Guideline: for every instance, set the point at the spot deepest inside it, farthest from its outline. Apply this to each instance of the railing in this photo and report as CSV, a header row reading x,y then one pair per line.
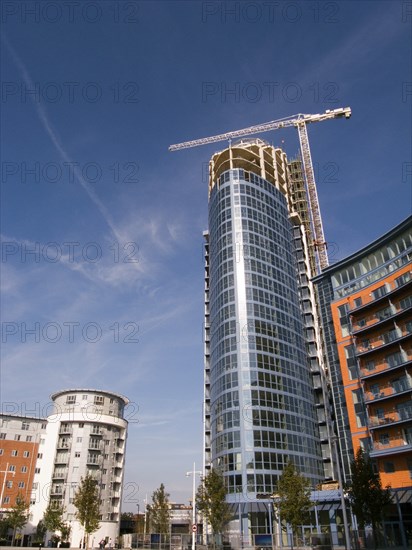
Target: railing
x,y
394,416
383,366
391,443
387,391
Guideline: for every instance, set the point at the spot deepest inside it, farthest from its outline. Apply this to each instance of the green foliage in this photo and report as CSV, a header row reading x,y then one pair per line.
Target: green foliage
x,y
211,501
18,514
41,530
159,514
53,517
86,500
4,528
65,530
293,491
367,497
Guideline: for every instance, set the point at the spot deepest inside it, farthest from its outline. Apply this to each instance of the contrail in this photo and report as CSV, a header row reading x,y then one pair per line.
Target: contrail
x,y
41,112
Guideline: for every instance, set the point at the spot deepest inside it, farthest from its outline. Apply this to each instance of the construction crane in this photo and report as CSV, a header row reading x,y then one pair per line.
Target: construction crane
x,y
299,121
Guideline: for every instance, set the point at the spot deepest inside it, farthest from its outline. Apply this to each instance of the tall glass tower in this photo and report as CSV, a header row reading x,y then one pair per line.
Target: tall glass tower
x,y
260,403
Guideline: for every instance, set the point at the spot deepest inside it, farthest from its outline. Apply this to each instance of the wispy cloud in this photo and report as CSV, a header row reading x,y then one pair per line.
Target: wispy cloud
x,y
51,132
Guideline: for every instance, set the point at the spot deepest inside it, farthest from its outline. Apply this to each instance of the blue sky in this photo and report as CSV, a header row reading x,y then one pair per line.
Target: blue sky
x,y
85,161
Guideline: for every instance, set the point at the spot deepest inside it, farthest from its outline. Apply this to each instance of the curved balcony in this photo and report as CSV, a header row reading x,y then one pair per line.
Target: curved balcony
x,y
386,392
389,293
393,445
391,417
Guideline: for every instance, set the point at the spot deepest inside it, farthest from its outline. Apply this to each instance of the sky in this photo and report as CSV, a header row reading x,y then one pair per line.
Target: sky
x,y
102,248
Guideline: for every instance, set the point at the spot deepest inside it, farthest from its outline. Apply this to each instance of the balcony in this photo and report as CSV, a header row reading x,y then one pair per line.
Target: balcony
x,y
385,294
386,392
95,446
60,474
65,429
64,444
391,417
393,445
94,460
384,340
383,368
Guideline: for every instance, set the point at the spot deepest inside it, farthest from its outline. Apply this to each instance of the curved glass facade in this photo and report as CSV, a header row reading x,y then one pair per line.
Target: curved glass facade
x,y
262,409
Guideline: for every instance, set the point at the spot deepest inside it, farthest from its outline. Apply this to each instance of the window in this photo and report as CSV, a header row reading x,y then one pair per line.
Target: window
x,y
21,484
43,426
98,400
409,465
81,424
359,408
39,455
12,468
384,439
17,437
394,359
1,451
344,319
6,500
403,279
379,292
25,425
70,399
388,467
37,470
370,365
79,439
380,413
23,469
9,485
84,397
29,438
26,454
358,302
351,361
14,453
76,455
2,435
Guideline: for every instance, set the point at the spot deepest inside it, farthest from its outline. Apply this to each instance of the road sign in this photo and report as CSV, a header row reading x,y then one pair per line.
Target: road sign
x,y
194,528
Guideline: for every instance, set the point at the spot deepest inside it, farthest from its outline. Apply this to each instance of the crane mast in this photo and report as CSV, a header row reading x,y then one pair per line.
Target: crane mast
x,y
299,121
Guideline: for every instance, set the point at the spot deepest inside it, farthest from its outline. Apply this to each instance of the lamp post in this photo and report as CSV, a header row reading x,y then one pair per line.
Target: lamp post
x,y
342,496
194,525
145,516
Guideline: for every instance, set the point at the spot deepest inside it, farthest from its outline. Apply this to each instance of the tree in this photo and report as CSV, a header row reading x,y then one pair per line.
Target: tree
x,y
65,530
293,492
86,500
159,512
18,515
53,517
366,495
4,529
211,501
41,531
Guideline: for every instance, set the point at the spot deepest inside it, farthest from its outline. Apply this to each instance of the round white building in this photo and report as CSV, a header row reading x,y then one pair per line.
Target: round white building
x,y
86,435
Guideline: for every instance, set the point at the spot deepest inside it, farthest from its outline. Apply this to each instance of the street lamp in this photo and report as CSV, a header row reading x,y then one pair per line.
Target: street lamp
x,y
145,516
194,525
342,496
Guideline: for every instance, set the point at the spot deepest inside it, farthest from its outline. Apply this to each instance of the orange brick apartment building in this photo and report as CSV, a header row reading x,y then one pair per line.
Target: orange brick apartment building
x,y
20,442
366,308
